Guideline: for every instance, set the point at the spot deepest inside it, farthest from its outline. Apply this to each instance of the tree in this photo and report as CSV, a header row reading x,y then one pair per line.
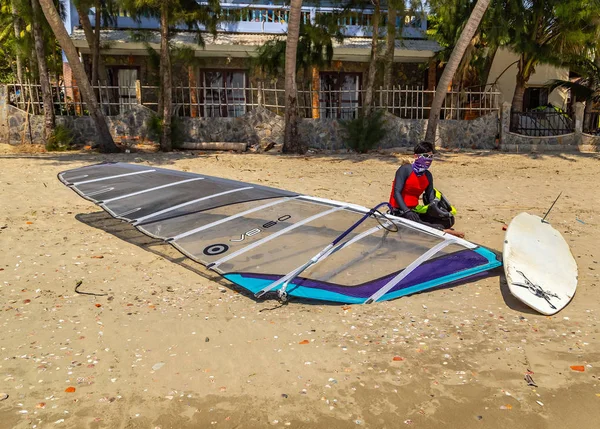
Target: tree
x,y
546,32
452,65
446,23
92,36
291,137
17,31
106,141
587,86
172,13
372,71
314,51
38,37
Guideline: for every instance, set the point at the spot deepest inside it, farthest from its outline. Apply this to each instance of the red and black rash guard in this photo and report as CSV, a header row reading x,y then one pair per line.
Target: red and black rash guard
x,y
408,187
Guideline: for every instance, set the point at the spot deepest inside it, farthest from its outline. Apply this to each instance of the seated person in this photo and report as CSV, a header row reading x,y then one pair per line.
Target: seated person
x,y
414,180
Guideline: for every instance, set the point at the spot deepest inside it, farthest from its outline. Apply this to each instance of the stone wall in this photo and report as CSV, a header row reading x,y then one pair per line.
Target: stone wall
x,y
257,127
128,125
479,133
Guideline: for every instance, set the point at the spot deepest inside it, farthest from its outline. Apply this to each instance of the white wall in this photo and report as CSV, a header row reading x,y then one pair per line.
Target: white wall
x,y
543,73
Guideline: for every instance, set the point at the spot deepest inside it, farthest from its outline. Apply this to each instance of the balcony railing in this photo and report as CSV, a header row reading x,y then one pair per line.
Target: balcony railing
x,y
273,20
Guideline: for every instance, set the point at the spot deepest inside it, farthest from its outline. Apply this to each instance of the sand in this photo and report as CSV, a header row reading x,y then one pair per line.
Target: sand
x,y
171,345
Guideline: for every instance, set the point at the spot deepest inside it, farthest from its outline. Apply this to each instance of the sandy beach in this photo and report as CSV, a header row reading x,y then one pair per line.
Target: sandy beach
x,y
168,344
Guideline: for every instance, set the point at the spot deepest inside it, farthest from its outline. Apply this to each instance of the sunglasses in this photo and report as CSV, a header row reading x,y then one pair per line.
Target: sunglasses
x,y
426,155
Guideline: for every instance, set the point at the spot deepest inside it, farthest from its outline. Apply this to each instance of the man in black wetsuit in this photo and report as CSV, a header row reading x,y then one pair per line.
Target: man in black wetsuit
x,y
414,180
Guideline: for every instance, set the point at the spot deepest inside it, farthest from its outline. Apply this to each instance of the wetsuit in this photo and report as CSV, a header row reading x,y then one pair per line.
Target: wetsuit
x,y
406,190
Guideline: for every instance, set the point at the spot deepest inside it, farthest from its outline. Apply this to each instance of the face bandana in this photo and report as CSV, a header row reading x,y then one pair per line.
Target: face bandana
x,y
421,164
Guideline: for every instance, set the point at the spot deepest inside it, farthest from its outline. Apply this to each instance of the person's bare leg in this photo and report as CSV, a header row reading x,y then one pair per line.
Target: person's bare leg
x,y
458,234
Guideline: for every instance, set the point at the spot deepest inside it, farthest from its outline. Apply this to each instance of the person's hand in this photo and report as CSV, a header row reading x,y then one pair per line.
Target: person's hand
x,y
458,234
411,215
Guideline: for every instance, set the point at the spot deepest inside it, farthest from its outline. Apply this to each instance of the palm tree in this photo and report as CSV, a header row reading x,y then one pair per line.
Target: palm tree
x,y
291,137
372,71
92,36
446,22
170,13
17,31
38,37
54,20
450,69
587,87
546,32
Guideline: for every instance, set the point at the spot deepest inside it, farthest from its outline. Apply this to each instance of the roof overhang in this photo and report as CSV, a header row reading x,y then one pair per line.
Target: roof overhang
x,y
237,45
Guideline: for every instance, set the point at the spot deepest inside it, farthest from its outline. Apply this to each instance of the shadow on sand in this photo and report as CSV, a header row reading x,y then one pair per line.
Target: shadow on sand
x,y
126,232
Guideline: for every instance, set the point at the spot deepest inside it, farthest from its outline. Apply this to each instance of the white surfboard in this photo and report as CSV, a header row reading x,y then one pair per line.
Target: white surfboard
x,y
540,269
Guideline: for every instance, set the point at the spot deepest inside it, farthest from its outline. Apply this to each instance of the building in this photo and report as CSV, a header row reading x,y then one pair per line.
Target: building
x,y
503,74
218,75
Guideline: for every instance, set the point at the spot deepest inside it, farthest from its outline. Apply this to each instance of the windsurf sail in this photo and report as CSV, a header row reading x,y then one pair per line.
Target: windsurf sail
x,y
265,239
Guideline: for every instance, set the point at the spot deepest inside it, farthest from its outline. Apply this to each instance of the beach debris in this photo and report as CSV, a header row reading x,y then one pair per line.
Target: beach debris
x,y
398,358
284,395
304,342
479,417
3,396
578,368
579,220
540,403
506,407
206,340
530,381
79,283
408,422
70,389
157,366
41,405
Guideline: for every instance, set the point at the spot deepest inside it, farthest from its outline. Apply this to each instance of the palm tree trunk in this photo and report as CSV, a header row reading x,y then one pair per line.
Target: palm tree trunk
x,y
92,37
291,138
524,72
17,30
38,37
390,45
370,89
450,69
96,45
106,141
165,62
88,31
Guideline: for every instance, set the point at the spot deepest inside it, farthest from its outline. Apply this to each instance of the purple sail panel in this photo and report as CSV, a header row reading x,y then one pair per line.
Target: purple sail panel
x,y
430,270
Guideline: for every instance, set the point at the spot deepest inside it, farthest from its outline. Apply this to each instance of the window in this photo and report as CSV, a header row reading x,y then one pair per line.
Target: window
x,y
535,97
223,94
339,95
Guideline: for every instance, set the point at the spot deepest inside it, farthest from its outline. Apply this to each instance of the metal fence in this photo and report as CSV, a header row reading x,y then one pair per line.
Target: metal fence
x,y
591,123
541,123
408,102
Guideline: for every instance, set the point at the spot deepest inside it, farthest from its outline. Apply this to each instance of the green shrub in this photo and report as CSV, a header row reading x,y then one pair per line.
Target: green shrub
x,y
177,133
364,133
154,125
60,140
